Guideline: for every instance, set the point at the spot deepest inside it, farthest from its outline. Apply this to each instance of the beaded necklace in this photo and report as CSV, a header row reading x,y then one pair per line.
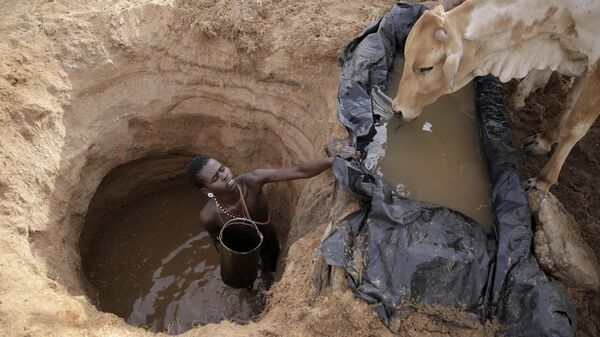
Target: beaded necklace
x,y
229,214
226,212
244,209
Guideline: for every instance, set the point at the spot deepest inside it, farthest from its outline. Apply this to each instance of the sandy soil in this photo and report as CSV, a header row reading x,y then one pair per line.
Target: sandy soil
x,y
86,86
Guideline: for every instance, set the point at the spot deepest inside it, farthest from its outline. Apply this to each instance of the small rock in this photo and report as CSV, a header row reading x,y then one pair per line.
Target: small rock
x,y
558,244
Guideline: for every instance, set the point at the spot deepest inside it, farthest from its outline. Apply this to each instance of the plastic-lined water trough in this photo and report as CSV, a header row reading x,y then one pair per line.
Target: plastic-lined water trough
x,y
417,252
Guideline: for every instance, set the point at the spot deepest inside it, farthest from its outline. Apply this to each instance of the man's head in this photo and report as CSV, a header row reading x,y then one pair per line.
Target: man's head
x,y
432,54
210,175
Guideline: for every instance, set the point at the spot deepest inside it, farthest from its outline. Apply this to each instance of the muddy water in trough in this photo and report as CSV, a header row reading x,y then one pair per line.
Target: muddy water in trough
x,y
437,157
154,265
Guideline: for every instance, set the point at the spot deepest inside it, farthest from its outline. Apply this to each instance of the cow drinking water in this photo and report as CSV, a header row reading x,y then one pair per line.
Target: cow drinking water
x,y
446,50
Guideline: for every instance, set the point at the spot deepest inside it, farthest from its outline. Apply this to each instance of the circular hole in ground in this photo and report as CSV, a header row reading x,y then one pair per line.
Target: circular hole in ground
x,y
148,259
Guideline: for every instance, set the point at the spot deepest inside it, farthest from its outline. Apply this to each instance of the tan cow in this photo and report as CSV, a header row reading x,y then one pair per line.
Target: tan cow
x,y
446,50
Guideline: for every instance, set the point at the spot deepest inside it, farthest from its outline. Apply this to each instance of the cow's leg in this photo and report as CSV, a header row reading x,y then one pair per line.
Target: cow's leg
x,y
541,143
536,79
575,127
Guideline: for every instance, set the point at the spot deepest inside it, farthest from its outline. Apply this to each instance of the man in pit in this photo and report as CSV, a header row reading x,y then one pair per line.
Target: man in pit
x,y
242,196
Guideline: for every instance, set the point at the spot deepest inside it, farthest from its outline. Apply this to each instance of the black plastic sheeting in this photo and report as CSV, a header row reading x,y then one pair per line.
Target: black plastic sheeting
x,y
397,250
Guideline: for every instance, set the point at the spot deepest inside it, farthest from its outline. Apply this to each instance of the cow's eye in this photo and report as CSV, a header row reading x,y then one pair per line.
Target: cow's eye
x,y
425,70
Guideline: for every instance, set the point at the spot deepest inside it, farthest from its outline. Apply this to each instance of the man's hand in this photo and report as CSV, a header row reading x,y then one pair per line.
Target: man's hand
x,y
349,152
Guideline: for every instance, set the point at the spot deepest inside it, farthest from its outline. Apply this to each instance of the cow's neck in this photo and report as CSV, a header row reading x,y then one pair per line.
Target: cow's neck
x,y
508,39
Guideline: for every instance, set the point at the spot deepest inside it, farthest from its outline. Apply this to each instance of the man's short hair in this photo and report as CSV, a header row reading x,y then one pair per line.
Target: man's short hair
x,y
194,167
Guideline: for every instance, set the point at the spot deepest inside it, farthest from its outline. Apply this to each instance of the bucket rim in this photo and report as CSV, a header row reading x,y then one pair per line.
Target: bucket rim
x,y
246,222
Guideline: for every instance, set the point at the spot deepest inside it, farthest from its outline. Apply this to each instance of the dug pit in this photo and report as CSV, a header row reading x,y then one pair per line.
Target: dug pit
x,y
100,116
149,260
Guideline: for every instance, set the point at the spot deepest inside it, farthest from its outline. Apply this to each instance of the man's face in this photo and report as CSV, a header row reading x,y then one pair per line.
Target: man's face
x,y
216,177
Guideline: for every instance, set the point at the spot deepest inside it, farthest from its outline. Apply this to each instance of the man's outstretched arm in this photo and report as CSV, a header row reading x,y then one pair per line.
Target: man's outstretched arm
x,y
302,170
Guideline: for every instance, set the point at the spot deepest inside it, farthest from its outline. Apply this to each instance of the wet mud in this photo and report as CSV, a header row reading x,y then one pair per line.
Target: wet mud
x,y
154,265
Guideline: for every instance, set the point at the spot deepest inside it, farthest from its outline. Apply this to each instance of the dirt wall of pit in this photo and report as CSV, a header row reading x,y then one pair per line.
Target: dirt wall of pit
x,y
87,86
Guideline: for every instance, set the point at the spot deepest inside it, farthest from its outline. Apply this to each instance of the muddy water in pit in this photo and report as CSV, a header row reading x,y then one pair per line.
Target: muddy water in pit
x,y
437,157
154,265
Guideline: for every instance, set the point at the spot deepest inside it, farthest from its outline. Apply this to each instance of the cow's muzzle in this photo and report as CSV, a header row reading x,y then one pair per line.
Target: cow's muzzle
x,y
397,113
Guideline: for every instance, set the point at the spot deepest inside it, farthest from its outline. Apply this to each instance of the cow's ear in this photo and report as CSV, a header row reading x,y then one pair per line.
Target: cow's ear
x,y
451,68
439,10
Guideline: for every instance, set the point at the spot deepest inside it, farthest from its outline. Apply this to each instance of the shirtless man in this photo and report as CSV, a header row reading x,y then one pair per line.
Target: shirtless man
x,y
242,196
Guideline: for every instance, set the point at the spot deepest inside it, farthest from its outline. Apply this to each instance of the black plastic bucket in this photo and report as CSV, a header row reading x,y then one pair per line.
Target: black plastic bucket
x,y
240,251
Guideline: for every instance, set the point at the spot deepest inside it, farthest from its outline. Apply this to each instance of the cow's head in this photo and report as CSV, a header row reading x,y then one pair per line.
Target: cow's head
x,y
432,55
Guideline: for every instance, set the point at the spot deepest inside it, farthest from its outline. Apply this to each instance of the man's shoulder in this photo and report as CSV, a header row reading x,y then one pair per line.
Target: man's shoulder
x,y
209,219
208,214
247,177
249,183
